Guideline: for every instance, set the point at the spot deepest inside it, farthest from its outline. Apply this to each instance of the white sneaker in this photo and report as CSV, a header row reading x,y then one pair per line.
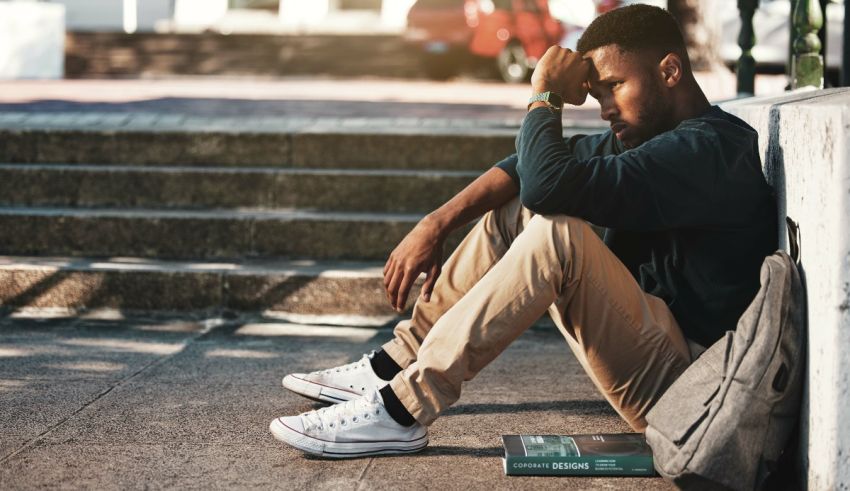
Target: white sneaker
x,y
338,384
355,428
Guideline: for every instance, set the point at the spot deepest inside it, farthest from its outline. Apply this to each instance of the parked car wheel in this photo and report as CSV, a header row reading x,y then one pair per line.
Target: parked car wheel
x,y
512,63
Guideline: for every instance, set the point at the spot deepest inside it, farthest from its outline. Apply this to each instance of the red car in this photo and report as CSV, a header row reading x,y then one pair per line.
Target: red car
x,y
513,33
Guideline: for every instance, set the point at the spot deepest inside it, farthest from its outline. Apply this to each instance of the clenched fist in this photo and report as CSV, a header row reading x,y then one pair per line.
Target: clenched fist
x,y
564,72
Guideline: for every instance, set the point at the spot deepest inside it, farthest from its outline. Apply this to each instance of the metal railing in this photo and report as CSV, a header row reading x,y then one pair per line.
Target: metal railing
x,y
806,64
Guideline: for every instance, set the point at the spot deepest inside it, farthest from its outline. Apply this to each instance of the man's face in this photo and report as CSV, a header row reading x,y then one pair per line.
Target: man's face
x,y
630,92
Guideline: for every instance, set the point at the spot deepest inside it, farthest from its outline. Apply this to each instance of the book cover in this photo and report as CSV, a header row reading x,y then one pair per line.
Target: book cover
x,y
625,454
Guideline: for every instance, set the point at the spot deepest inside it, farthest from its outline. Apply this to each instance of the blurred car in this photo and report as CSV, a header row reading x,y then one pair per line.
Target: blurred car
x,y
512,33
772,22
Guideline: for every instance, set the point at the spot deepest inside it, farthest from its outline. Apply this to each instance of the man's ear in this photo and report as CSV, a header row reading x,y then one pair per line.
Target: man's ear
x,y
671,69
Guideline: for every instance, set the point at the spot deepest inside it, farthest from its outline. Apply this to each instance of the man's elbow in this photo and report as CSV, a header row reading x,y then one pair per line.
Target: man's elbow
x,y
537,202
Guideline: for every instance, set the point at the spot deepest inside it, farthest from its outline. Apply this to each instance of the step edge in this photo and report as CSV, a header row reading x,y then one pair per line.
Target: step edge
x,y
282,267
208,214
229,170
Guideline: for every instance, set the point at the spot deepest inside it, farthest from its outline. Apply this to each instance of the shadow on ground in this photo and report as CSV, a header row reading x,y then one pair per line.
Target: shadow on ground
x,y
186,402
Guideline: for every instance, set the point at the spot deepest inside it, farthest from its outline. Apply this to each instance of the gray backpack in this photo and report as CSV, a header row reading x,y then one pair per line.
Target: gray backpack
x,y
726,420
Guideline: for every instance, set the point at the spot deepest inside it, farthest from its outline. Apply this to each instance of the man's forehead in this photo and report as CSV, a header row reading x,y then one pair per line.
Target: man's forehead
x,y
592,56
604,55
608,61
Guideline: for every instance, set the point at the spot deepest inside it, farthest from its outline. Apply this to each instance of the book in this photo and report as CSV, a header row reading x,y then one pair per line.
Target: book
x,y
625,454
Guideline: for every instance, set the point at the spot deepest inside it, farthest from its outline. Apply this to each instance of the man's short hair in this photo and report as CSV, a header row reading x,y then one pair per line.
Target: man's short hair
x,y
637,27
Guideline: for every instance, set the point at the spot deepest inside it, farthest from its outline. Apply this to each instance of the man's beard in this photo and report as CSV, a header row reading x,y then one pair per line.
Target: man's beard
x,y
654,118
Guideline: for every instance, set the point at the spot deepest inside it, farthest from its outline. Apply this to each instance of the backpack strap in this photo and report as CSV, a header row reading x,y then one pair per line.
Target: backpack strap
x,y
793,239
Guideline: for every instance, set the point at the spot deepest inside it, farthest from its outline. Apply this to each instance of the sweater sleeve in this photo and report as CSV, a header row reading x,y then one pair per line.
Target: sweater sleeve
x,y
592,144
666,182
508,164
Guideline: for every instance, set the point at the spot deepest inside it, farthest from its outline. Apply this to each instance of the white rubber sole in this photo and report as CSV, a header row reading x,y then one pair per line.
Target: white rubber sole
x,y
318,392
335,450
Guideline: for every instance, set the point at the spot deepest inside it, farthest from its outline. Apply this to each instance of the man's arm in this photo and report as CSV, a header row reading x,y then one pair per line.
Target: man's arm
x,y
421,251
668,181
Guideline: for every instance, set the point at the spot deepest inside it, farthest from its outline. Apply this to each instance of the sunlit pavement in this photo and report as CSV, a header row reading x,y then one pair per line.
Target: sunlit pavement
x,y
487,102
185,403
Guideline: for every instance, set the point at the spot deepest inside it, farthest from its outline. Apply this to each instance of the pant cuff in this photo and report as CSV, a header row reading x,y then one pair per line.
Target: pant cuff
x,y
398,354
410,402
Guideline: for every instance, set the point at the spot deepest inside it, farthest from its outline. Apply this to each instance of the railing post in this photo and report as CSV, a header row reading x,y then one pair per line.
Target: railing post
x,y
746,40
845,48
822,35
792,35
807,63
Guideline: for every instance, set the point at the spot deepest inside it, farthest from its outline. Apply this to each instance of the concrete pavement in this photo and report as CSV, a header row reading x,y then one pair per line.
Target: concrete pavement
x,y
185,403
295,102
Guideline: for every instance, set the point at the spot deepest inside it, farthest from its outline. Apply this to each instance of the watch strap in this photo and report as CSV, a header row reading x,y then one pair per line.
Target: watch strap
x,y
553,100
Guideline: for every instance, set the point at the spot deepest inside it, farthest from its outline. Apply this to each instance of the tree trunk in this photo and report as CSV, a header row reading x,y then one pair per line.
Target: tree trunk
x,y
701,28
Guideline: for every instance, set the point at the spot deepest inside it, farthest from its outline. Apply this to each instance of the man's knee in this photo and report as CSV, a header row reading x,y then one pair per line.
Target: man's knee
x,y
567,227
507,220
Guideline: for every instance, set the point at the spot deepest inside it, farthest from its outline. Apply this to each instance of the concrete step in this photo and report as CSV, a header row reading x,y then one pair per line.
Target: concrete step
x,y
320,290
417,148
158,139
97,186
173,234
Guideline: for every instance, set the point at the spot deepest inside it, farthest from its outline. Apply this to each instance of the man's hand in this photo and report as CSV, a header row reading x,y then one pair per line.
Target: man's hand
x,y
421,251
564,72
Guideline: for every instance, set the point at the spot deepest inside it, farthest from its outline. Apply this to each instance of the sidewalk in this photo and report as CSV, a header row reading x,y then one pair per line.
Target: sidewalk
x,y
296,103
170,403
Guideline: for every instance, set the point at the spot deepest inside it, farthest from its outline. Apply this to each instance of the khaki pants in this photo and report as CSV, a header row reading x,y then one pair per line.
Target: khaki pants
x,y
513,267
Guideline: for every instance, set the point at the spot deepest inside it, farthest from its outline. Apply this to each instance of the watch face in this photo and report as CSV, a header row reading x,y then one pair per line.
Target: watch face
x,y
555,99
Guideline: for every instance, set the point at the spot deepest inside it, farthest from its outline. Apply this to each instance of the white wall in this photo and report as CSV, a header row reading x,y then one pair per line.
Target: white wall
x,y
804,140
198,13
32,40
394,13
299,13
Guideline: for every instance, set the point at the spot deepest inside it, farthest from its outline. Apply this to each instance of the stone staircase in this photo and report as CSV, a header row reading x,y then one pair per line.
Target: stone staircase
x,y
219,214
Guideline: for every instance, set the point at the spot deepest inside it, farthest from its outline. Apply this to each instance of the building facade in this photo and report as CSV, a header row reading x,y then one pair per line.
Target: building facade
x,y
237,16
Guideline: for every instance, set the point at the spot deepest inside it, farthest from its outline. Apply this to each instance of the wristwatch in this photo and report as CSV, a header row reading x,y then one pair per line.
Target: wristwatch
x,y
553,100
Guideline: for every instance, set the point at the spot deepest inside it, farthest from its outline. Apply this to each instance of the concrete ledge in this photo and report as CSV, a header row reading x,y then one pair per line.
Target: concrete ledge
x,y
141,147
148,285
99,186
201,234
217,234
424,148
159,139
402,151
805,147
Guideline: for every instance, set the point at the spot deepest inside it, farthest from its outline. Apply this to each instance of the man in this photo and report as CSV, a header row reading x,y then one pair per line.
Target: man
x,y
676,183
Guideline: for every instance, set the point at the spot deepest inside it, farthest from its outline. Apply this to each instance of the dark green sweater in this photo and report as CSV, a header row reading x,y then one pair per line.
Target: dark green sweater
x,y
688,212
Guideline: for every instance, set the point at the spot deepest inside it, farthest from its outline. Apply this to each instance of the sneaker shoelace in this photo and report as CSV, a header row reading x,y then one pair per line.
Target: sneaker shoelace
x,y
348,367
342,414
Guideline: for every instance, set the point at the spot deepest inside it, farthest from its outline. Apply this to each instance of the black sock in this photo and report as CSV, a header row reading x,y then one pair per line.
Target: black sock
x,y
384,366
395,408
